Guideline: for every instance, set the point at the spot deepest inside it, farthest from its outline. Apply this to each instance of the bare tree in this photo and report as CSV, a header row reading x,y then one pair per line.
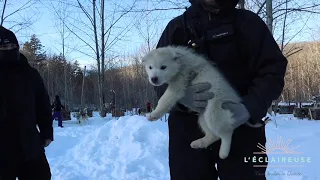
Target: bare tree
x,y
61,14
101,29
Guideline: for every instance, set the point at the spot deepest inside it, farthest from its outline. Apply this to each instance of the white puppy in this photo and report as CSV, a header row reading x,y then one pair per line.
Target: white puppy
x,y
174,65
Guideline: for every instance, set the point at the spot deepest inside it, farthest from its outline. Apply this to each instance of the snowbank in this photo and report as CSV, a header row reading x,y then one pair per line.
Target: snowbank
x,y
131,148
128,148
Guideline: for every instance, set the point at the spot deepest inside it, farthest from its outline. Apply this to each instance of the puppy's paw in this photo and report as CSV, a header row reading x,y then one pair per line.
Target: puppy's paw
x,y
197,144
152,117
223,155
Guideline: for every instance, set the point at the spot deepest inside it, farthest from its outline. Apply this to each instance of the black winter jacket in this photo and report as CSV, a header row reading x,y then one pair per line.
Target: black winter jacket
x,y
249,57
57,105
24,105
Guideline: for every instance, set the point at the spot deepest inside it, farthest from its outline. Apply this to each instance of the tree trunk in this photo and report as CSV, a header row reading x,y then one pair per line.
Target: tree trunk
x,y
3,10
269,15
102,101
269,11
82,88
65,65
97,53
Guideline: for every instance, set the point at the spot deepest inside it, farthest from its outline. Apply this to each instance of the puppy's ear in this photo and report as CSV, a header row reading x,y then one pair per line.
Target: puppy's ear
x,y
176,55
143,60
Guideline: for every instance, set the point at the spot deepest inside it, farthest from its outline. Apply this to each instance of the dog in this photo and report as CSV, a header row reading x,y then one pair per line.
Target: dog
x,y
82,116
177,66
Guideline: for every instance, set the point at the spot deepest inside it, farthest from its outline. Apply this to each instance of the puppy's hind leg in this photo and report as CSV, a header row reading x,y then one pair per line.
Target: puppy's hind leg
x,y
204,142
225,146
225,133
209,137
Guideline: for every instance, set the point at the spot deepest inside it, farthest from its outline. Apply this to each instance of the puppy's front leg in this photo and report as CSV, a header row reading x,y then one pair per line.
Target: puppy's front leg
x,y
170,97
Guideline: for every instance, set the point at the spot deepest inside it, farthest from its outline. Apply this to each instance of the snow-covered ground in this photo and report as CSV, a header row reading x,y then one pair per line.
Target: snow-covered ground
x,y
131,148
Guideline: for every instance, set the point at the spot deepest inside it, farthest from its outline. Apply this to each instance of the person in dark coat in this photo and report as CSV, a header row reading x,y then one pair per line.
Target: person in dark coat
x,y
25,115
241,45
57,108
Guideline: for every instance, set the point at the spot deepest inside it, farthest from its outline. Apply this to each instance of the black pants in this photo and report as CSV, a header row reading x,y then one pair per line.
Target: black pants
x,y
199,164
37,169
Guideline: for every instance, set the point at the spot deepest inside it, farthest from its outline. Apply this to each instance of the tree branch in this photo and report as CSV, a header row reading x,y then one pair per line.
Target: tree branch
x,y
19,9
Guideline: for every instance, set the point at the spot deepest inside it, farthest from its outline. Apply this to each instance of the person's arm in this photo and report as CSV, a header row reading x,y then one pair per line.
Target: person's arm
x,y
43,108
269,65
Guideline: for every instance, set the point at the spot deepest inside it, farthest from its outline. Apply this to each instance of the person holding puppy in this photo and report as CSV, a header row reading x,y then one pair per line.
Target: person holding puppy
x,y
24,105
240,43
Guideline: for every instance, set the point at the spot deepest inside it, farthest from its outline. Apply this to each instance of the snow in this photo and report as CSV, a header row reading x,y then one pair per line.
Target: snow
x,y
304,136
131,148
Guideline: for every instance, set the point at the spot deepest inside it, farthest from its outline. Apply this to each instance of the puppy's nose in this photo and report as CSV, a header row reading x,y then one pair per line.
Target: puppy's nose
x,y
154,79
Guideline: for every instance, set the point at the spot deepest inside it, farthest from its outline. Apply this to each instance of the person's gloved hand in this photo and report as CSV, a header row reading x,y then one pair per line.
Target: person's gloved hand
x,y
197,97
240,113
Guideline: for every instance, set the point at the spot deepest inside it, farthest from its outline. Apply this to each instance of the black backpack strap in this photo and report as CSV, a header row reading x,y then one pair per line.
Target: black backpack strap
x,y
193,38
197,42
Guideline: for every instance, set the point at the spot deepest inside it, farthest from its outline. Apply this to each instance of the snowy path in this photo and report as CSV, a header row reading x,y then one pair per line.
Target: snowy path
x,y
131,148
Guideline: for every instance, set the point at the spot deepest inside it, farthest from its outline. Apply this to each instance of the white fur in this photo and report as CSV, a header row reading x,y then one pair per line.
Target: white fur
x,y
83,120
82,117
180,63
